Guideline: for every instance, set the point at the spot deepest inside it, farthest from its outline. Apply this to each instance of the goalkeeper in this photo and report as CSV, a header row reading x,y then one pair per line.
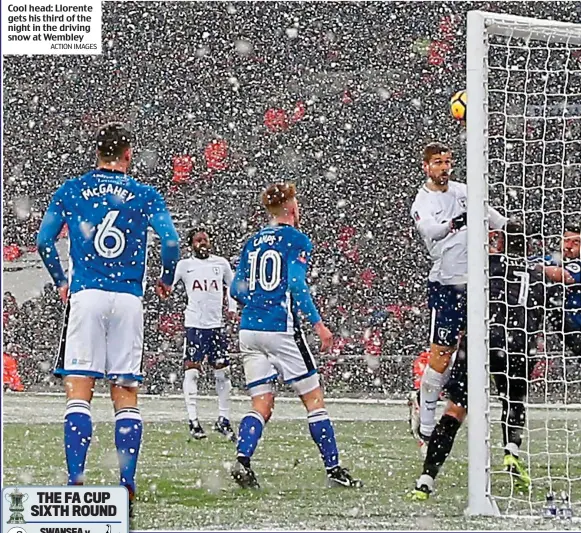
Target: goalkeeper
x,y
517,296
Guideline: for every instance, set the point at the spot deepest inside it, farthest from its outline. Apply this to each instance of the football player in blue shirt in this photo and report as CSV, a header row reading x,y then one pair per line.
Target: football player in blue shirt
x,y
271,285
569,273
108,214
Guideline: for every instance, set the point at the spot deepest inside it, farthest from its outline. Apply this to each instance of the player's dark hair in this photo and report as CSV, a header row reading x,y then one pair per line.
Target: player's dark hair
x,y
433,149
276,195
195,231
112,141
573,226
515,239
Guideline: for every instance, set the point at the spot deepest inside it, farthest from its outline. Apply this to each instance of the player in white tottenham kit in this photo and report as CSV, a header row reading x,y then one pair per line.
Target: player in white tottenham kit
x,y
439,213
206,278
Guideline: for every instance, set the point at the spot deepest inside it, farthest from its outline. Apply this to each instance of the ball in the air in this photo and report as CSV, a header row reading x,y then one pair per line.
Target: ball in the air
x,y
458,105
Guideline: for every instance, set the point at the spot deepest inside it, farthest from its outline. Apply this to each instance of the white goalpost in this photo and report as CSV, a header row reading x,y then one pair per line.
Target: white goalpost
x,y
523,158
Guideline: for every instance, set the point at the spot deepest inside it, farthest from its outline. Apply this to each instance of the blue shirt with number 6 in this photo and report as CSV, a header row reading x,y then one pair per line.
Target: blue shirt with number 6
x,y
108,214
271,280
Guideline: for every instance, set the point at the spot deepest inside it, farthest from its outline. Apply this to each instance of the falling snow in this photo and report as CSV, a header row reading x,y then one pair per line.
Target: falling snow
x,y
227,97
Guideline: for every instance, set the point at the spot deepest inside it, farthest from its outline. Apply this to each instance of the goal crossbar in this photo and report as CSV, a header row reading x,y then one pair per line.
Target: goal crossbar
x,y
551,31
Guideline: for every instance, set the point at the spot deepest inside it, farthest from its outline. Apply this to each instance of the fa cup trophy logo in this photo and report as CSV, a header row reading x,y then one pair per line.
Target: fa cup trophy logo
x,y
16,508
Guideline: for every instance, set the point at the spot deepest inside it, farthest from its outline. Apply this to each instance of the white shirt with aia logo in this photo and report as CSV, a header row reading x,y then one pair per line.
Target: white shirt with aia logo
x,y
432,212
206,281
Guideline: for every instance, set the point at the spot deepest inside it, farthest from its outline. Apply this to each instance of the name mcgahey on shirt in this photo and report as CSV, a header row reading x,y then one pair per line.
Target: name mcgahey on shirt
x,y
108,188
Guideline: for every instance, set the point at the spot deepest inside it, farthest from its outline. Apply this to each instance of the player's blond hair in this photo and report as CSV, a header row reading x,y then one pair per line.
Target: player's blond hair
x,y
277,195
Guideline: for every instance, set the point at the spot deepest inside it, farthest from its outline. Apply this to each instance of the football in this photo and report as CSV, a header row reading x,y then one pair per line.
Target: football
x,y
458,105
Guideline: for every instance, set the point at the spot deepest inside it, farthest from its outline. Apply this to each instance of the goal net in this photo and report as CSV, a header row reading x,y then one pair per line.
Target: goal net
x,y
524,159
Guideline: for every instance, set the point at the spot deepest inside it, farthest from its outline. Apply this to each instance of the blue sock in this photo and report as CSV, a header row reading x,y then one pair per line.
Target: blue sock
x,y
324,436
128,431
249,434
78,431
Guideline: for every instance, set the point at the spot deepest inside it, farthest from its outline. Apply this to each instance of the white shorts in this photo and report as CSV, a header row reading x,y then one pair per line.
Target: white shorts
x,y
266,354
102,336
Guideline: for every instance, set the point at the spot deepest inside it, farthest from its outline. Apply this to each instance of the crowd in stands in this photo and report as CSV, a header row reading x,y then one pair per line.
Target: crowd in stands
x,y
225,98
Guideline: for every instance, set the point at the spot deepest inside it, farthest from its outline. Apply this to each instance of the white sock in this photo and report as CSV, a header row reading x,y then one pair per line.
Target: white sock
x,y
424,479
191,376
223,387
430,389
512,448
